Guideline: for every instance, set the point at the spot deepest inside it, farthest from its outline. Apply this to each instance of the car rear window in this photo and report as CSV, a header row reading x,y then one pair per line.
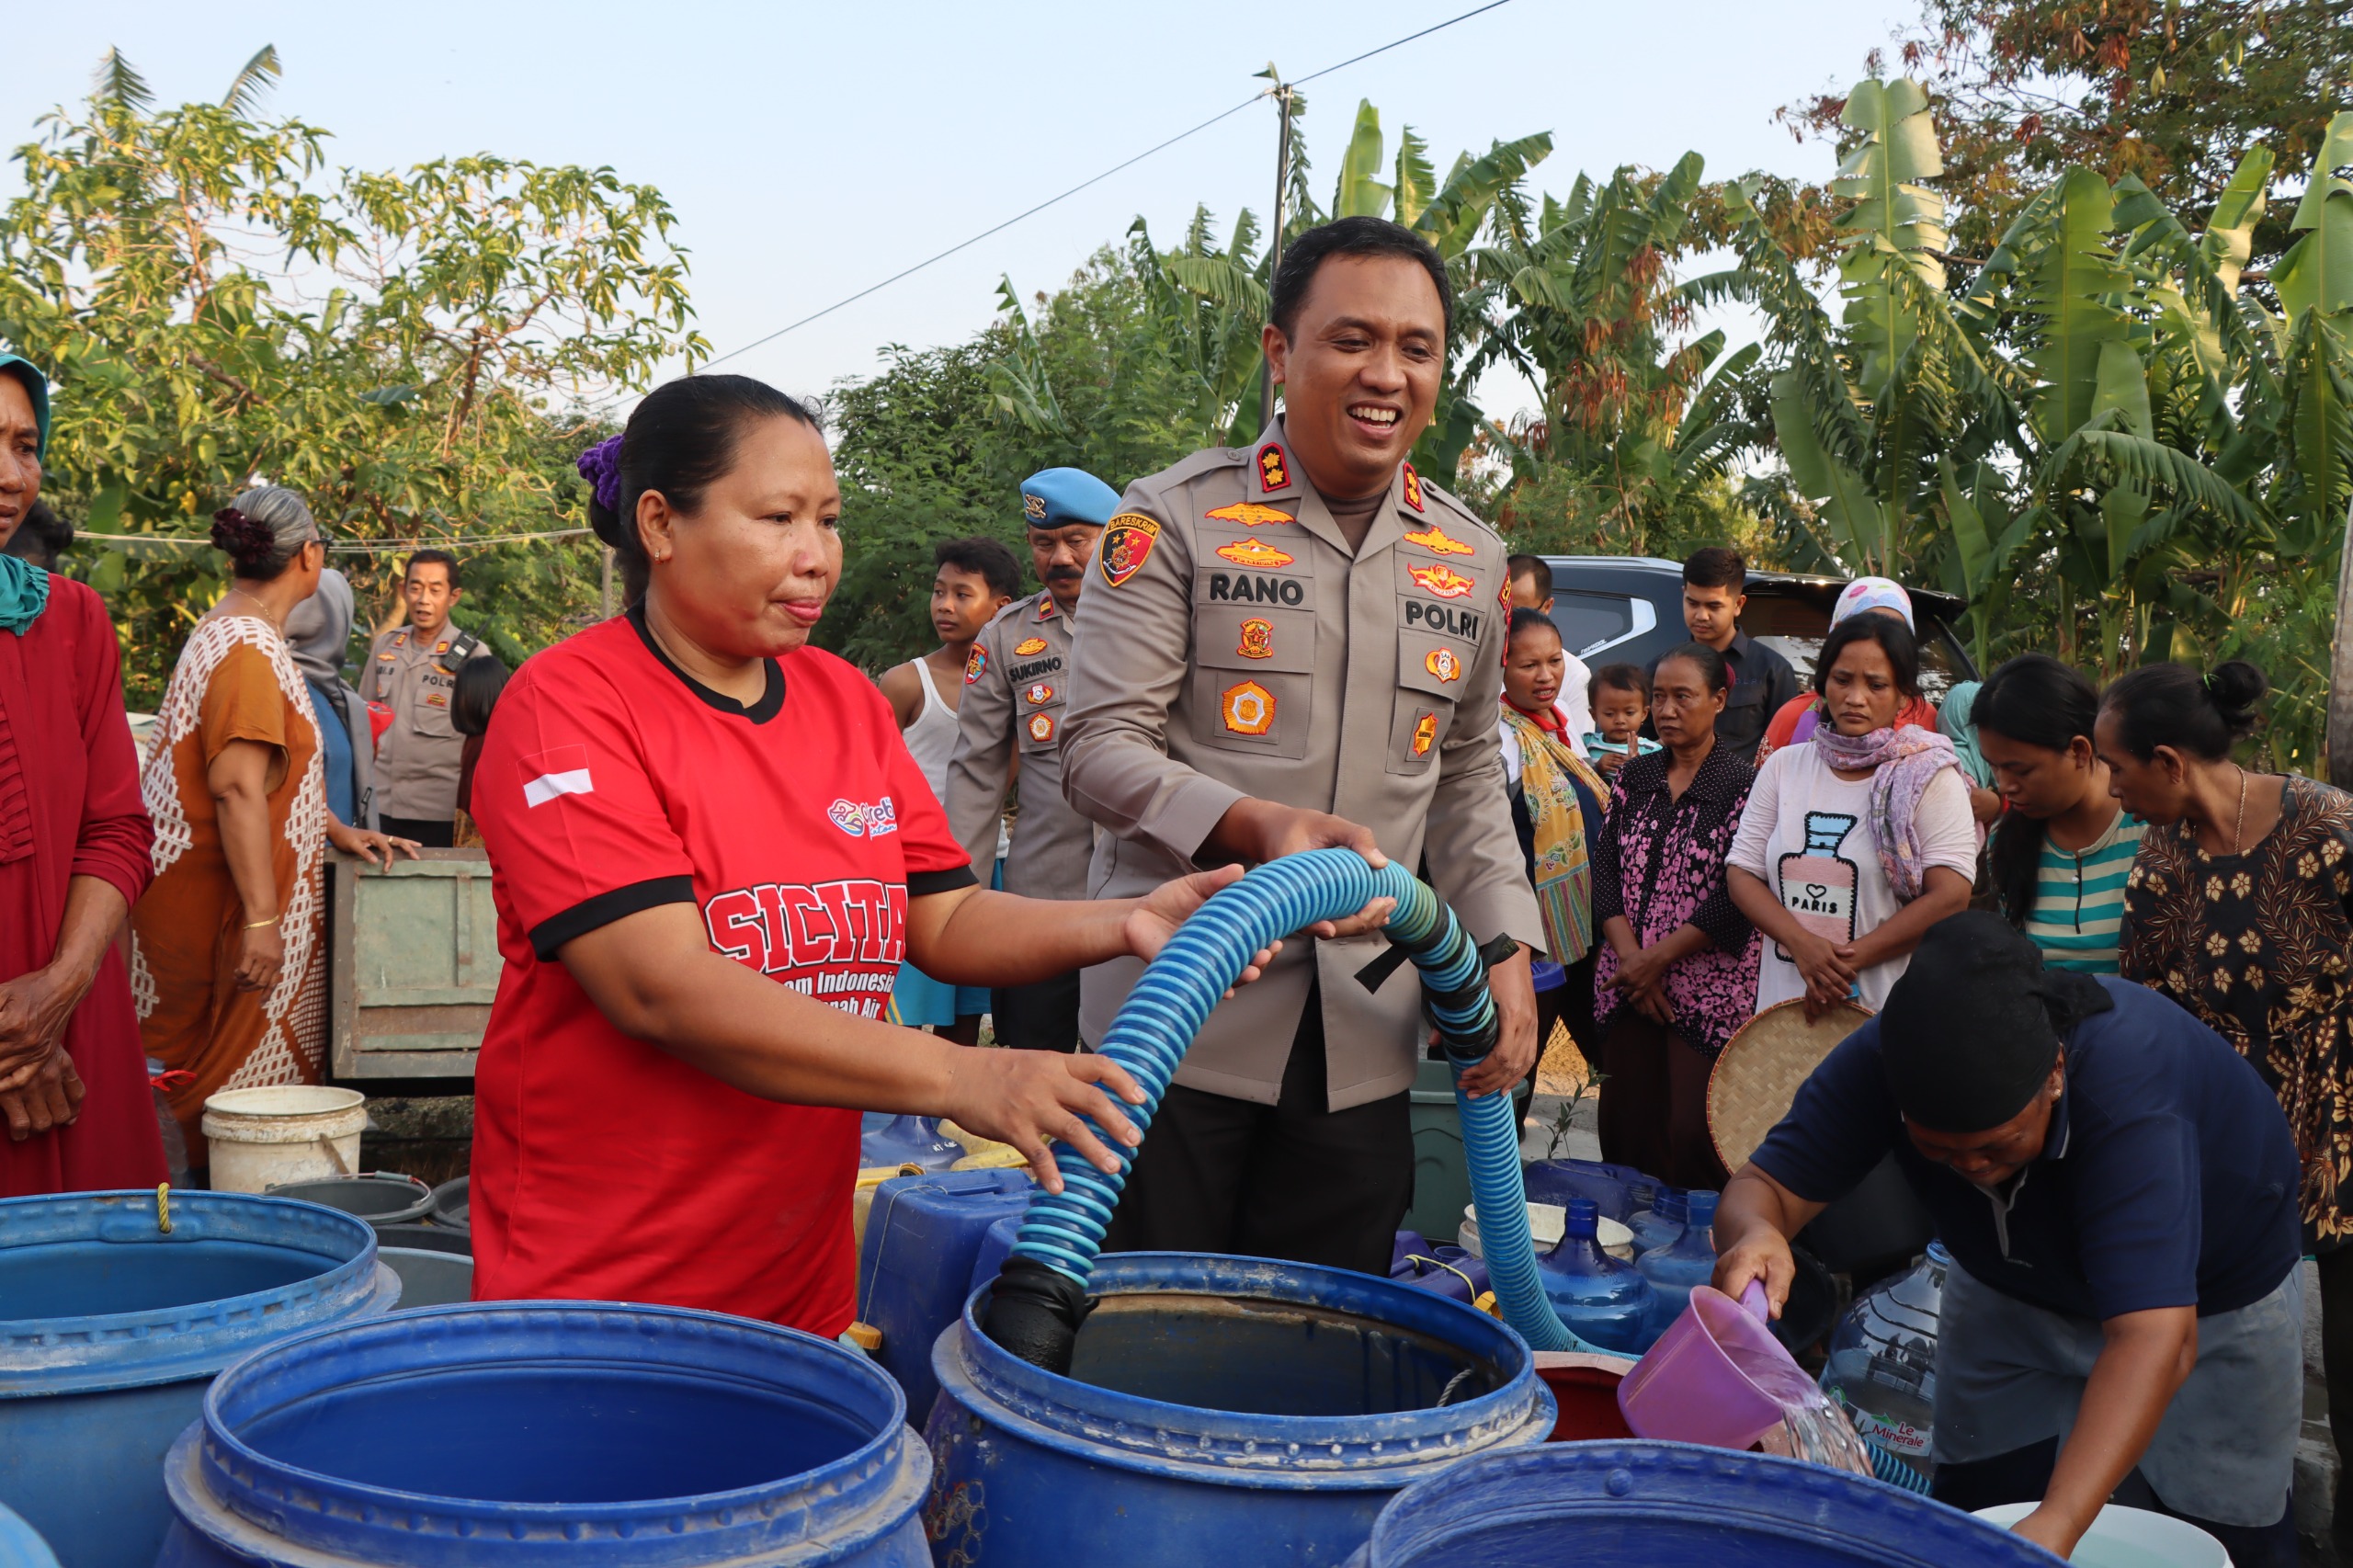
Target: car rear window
x,y
1795,629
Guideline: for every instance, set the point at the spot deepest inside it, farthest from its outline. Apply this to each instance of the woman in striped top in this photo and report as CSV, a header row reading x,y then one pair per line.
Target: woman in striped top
x,y
2063,847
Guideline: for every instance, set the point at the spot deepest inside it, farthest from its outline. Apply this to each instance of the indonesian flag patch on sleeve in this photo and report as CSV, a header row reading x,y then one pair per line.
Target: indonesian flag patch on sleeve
x,y
562,771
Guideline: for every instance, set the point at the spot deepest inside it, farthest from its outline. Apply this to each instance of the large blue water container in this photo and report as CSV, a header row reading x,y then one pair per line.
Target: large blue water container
x,y
1635,1505
1219,1410
111,1327
586,1435
20,1547
915,1266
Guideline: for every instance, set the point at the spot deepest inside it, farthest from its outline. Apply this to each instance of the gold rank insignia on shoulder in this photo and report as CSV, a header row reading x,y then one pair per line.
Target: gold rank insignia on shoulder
x,y
1443,663
1425,733
1127,545
1435,537
976,664
440,647
1413,486
1042,727
1274,472
1249,709
1028,646
1255,553
1442,580
1045,607
1258,639
1249,514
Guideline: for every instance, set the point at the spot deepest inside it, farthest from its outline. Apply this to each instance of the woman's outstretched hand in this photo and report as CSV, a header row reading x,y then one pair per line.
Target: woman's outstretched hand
x,y
1156,917
1029,1098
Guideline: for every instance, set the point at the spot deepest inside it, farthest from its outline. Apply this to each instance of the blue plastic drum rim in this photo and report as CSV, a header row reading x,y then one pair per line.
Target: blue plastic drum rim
x,y
1238,1449
1791,1503
832,1510
40,1357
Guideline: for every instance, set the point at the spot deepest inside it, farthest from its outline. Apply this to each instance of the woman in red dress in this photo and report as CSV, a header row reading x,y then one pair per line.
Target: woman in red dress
x,y
73,857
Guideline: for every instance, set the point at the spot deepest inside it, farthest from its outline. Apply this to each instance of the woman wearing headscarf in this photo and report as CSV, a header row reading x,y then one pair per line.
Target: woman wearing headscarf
x,y
73,856
318,634
1801,714
1854,842
225,952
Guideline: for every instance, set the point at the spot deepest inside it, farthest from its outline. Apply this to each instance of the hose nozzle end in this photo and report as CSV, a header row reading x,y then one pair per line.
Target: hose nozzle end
x,y
1034,1311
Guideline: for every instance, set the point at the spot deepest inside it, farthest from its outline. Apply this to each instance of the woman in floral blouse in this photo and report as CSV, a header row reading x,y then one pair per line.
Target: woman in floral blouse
x,y
1677,969
2237,909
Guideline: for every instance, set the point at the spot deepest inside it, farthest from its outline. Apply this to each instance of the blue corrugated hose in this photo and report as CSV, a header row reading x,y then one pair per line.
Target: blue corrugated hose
x,y
1063,1231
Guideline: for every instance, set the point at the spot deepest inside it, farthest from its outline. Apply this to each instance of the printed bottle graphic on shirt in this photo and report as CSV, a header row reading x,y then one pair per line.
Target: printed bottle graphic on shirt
x,y
1818,885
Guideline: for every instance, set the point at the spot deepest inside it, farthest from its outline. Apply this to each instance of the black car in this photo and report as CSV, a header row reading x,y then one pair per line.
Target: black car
x,y
1629,609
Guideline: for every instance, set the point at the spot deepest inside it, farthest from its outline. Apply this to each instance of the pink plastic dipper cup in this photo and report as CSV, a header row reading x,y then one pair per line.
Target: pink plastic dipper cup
x,y
1717,1376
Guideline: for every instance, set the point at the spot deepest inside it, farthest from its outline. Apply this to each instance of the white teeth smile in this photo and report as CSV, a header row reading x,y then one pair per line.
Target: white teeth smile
x,y
1374,415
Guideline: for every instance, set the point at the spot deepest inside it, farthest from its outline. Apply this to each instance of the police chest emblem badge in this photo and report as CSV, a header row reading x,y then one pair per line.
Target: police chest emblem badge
x,y
1253,552
1028,646
1442,580
1036,692
1273,473
1258,639
1443,664
1249,514
1425,733
1042,727
1249,709
976,664
1435,538
1127,545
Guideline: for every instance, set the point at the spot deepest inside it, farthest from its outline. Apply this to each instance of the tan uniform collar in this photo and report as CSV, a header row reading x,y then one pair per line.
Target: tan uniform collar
x,y
1048,609
1276,476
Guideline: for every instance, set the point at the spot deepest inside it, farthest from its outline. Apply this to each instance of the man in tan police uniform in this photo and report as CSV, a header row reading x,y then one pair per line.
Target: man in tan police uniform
x,y
413,669
1292,644
1016,689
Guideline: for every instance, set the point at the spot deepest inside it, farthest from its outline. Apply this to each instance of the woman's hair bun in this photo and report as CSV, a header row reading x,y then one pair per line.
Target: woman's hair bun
x,y
245,539
2237,687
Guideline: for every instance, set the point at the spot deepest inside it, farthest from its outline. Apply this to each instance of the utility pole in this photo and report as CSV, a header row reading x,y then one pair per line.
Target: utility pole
x,y
1281,92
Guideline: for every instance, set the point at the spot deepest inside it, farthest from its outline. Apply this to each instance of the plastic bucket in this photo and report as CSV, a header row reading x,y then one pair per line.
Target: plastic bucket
x,y
426,1238
114,1326
915,1265
430,1279
453,1203
1219,1410
2129,1538
261,1138
546,1433
1717,1376
380,1198
20,1545
1672,1505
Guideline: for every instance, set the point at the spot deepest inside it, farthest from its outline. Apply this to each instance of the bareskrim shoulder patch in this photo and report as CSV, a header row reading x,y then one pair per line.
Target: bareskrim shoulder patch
x,y
1127,545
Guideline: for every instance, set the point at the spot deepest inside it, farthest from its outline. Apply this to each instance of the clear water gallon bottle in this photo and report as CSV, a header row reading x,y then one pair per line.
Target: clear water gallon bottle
x,y
1659,1221
1604,1301
1688,1260
1883,1365
908,1140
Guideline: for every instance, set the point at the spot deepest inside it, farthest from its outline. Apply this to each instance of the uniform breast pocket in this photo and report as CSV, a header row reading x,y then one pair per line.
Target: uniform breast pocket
x,y
1430,672
1037,713
1253,674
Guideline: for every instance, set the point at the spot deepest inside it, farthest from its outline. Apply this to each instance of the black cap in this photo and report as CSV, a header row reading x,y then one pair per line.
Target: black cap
x,y
1972,1029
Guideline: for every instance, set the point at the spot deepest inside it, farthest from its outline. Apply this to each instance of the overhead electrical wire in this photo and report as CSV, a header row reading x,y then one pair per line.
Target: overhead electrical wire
x,y
1107,174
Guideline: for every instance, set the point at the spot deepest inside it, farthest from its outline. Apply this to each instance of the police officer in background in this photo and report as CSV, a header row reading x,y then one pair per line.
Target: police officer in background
x,y
413,669
1016,693
1293,644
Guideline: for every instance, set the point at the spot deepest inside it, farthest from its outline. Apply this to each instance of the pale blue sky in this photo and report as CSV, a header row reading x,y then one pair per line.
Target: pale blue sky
x,y
809,151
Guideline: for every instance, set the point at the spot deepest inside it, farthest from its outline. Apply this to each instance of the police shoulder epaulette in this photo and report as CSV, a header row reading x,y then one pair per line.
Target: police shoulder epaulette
x,y
1458,510
1209,460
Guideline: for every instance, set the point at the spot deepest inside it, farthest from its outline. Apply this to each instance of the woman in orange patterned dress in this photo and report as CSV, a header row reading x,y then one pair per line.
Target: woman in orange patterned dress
x,y
227,965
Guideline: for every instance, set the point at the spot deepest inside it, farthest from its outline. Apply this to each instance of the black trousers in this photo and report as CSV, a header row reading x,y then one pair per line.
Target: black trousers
x,y
1289,1180
1043,1016
2022,1474
430,834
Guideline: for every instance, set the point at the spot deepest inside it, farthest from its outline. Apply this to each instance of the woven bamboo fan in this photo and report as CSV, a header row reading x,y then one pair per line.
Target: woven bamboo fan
x,y
1757,1076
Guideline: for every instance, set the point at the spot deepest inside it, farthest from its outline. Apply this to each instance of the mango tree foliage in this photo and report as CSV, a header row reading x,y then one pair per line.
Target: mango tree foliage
x,y
413,350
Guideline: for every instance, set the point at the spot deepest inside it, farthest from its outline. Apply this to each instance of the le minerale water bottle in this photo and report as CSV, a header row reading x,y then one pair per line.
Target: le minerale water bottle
x,y
1658,1221
1688,1260
1604,1301
1883,1366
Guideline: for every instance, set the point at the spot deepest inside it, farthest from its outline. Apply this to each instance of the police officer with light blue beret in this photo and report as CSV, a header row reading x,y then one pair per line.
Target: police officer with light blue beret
x,y
1015,691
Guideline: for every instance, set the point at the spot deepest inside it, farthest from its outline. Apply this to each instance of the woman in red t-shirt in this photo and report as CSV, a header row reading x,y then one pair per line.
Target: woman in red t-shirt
x,y
710,852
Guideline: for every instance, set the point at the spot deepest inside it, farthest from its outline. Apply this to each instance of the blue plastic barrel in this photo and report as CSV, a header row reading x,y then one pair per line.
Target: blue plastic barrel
x,y
539,1434
111,1327
1219,1410
996,1244
1635,1505
915,1266
20,1547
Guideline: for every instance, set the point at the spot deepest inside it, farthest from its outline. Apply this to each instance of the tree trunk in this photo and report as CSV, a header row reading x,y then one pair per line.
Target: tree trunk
x,y
2338,743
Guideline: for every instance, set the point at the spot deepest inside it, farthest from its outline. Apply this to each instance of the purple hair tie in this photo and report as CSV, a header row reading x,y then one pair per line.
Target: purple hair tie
x,y
601,465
